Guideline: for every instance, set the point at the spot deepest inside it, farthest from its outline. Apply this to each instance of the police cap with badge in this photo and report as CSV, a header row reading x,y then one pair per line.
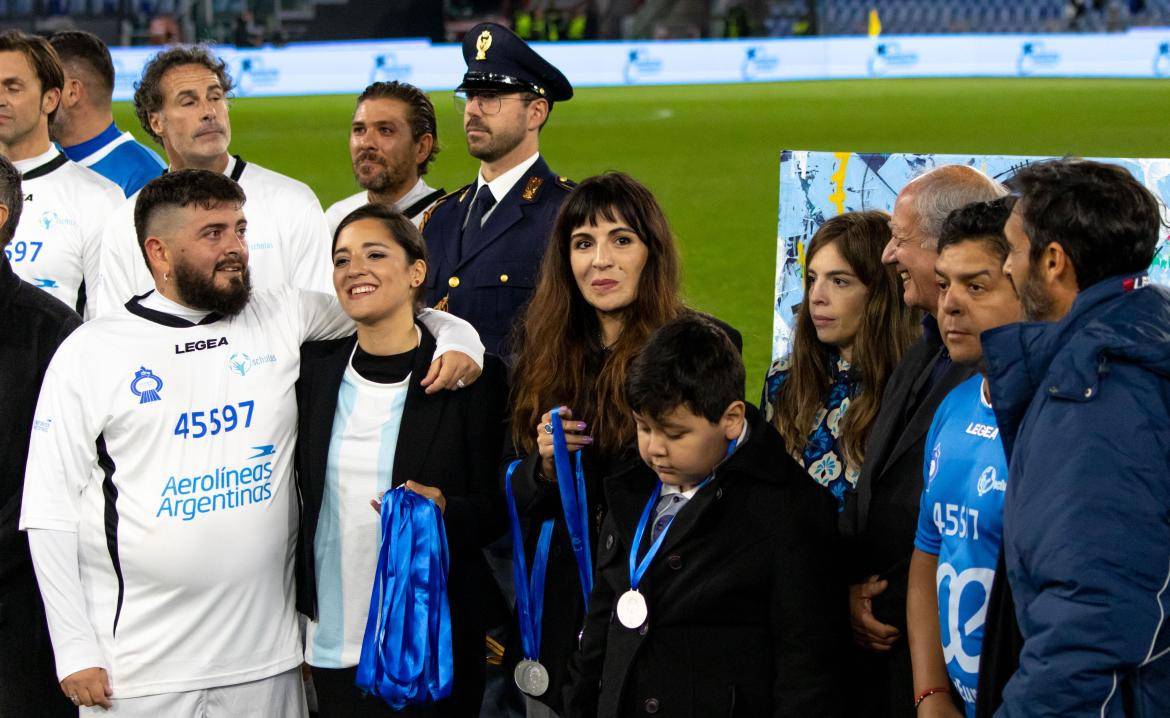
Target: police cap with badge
x,y
498,60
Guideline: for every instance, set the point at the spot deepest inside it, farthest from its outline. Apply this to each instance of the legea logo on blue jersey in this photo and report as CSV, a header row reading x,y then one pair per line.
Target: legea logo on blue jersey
x,y
889,55
1033,57
758,61
640,65
989,481
146,386
242,363
387,68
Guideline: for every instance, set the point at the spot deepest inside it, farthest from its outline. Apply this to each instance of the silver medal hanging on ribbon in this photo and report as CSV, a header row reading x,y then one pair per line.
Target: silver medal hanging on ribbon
x,y
531,677
631,609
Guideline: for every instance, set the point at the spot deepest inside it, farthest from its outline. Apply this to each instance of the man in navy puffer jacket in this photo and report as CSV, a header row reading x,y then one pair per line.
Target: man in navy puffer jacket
x,y
1083,402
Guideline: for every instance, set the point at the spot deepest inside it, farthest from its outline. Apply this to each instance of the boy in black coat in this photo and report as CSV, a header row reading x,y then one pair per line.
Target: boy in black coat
x,y
738,611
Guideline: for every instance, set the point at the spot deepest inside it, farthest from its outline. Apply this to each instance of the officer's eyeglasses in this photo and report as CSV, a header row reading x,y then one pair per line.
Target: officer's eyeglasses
x,y
488,103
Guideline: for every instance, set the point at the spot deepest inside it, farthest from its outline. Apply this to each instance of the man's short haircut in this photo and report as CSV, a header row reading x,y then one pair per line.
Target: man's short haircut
x,y
87,51
420,112
148,96
1105,220
184,188
11,197
944,189
40,55
688,362
982,222
400,230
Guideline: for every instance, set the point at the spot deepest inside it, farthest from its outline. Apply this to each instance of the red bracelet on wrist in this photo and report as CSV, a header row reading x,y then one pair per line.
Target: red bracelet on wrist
x,y
928,693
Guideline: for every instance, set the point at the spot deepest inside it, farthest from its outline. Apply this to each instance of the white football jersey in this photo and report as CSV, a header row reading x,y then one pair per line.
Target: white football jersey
x,y
288,241
57,240
412,204
167,447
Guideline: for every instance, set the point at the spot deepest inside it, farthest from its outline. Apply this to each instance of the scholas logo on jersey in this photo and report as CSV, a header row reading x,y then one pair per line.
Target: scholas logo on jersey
x,y
225,489
932,472
242,363
200,345
146,386
989,481
50,219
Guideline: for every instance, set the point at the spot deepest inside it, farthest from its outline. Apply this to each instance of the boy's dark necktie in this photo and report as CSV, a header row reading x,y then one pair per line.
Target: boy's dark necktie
x,y
667,508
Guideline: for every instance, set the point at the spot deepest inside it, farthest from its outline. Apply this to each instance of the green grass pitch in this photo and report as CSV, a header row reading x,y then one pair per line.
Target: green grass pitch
x,y
711,153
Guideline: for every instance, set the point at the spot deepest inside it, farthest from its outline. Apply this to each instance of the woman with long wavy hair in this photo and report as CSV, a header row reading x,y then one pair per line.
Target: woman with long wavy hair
x,y
851,330
608,280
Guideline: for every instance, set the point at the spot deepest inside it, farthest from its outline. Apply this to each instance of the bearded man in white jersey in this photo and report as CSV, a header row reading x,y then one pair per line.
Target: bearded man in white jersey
x,y
159,500
182,103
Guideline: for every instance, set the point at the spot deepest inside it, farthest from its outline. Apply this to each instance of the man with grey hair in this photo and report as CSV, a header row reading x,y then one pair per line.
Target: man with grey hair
x,y
881,515
32,325
182,103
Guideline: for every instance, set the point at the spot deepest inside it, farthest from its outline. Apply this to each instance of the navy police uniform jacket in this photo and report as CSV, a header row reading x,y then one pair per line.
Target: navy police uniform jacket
x,y
488,284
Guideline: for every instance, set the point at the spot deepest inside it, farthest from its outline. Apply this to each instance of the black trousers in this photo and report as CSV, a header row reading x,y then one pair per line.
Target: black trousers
x,y
28,677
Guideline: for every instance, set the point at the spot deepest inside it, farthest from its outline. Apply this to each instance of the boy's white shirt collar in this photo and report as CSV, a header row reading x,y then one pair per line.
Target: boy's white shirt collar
x,y
670,489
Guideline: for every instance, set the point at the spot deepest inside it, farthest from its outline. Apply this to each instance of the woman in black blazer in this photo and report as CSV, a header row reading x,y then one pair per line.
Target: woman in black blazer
x,y
609,278
367,425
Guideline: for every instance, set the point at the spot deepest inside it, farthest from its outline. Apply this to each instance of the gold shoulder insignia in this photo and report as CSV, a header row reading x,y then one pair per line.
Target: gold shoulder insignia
x,y
566,182
531,189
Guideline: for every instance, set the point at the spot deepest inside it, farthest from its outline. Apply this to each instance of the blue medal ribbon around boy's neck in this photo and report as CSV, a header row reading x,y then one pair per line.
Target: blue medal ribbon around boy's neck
x,y
529,591
638,569
573,500
406,656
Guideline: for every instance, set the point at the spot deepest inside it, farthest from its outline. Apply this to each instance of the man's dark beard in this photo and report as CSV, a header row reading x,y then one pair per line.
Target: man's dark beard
x,y
1036,304
200,292
389,178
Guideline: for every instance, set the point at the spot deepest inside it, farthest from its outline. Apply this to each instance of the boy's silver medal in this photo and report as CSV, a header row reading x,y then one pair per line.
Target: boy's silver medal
x,y
631,609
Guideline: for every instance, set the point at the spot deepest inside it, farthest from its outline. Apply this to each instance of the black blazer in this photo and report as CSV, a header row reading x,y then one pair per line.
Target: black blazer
x,y
449,440
747,615
537,500
881,516
489,283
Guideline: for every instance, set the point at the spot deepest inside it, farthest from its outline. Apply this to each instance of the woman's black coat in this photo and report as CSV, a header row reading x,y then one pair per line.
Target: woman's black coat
x,y
449,440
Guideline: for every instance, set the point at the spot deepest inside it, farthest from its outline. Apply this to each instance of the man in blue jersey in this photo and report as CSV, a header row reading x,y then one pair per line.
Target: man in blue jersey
x,y
965,472
84,124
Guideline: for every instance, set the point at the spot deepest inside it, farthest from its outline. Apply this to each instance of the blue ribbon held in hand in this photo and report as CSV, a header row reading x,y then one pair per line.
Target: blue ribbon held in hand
x,y
573,500
406,654
529,590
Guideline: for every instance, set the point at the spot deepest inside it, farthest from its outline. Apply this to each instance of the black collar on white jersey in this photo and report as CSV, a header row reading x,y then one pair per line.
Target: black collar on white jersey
x,y
46,168
134,306
237,171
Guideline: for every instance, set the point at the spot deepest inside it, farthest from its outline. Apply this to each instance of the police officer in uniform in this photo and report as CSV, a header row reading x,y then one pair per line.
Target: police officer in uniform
x,y
486,239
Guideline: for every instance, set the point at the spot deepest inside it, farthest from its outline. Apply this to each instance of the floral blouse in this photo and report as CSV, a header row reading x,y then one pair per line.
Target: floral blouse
x,y
822,457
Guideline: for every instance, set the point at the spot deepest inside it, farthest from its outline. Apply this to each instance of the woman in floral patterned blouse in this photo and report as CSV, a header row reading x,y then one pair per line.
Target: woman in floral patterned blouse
x,y
851,330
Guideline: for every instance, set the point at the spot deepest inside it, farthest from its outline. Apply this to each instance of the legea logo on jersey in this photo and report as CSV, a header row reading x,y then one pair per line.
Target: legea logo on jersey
x,y
989,481
225,489
146,386
241,363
